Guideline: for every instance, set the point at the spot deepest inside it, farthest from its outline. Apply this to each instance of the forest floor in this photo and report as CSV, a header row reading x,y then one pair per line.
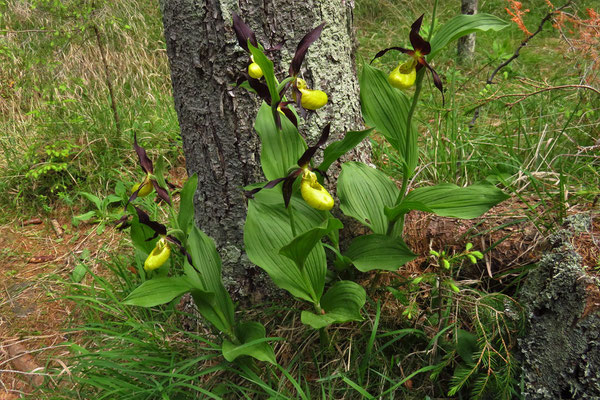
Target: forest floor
x,y
36,266
39,255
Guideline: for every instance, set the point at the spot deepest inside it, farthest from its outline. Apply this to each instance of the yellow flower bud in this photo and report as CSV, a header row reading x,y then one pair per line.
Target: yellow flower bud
x,y
160,254
404,76
254,71
146,188
314,193
311,99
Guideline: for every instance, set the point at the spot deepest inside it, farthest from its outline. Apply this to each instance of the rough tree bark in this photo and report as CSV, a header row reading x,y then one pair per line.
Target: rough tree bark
x,y
216,120
466,44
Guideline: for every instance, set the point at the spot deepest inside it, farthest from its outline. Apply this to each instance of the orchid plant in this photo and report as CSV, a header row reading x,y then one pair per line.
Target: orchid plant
x,y
163,281
287,231
290,226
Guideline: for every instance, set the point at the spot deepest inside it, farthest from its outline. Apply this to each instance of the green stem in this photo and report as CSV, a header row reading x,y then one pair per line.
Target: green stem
x,y
406,173
435,4
324,337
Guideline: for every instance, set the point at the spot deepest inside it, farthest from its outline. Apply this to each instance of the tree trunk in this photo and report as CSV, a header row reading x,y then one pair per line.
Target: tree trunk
x,y
466,44
216,120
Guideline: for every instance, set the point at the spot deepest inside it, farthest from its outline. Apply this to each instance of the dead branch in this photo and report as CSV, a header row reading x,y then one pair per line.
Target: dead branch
x,y
516,54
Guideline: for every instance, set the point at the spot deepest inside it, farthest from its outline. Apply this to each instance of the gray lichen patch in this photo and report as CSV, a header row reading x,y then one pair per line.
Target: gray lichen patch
x,y
561,352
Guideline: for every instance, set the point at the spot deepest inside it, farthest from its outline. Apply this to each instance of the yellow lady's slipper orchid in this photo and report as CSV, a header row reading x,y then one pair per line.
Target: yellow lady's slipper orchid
x,y
314,193
311,99
254,69
146,187
160,254
404,76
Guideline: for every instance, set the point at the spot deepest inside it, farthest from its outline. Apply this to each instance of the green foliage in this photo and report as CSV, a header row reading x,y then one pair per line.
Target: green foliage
x,y
387,109
459,332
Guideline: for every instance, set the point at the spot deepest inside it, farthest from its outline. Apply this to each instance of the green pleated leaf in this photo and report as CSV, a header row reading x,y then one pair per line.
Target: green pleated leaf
x,y
219,311
341,303
448,200
462,25
159,291
300,247
268,71
382,252
279,150
386,109
267,230
253,344
364,192
185,218
337,149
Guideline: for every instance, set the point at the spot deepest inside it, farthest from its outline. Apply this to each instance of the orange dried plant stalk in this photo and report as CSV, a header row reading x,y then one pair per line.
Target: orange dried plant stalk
x,y
516,12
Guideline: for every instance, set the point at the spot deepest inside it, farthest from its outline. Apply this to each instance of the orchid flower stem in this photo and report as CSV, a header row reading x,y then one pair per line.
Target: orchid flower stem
x,y
430,34
292,221
406,173
324,337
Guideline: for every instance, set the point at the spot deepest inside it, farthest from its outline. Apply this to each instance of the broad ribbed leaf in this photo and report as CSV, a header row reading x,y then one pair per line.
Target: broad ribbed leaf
x,y
448,200
341,303
185,218
382,252
299,248
364,192
267,230
159,291
279,150
337,149
462,25
207,260
253,344
386,109
268,72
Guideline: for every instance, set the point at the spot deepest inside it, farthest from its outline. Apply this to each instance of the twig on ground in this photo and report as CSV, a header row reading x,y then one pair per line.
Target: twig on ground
x,y
516,54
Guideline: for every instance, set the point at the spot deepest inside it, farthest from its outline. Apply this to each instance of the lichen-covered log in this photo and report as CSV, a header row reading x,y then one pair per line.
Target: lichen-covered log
x,y
216,119
561,352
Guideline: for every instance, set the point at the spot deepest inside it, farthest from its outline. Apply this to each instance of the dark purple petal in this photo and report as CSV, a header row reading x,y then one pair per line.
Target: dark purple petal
x,y
277,47
122,223
133,196
276,116
271,184
288,113
436,80
145,162
382,52
418,43
260,88
310,152
161,192
243,33
298,95
182,249
145,219
171,186
288,186
303,46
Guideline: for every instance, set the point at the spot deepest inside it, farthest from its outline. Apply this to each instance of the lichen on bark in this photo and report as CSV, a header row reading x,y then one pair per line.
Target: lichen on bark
x,y
561,352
